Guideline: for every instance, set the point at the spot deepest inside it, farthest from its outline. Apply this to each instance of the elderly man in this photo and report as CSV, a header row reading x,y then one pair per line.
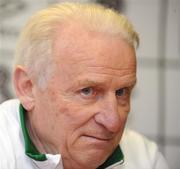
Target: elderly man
x,y
74,73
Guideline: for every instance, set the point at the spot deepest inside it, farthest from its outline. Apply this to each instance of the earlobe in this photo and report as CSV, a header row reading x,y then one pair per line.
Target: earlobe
x,y
23,87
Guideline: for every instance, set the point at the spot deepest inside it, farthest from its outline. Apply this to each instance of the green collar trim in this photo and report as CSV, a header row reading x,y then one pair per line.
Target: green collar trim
x,y
117,156
30,148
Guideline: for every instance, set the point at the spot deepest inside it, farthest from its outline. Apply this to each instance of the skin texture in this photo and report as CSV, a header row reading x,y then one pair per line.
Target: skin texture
x,y
83,111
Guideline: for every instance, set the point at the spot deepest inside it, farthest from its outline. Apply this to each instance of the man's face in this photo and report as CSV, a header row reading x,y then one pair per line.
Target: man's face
x,y
83,111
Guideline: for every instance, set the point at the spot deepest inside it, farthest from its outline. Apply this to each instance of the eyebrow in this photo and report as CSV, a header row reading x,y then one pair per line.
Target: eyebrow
x,y
131,83
90,82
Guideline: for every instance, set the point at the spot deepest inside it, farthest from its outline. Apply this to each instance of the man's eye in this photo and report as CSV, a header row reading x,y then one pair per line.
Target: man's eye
x,y
121,92
88,91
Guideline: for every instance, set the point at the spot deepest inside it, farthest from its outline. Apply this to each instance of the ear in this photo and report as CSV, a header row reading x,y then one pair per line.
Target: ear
x,y
24,87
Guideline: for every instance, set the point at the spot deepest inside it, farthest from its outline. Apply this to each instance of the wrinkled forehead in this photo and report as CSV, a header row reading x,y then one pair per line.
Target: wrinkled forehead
x,y
75,42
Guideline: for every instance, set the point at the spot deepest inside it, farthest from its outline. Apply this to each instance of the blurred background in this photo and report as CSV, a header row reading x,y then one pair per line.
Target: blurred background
x,y
156,99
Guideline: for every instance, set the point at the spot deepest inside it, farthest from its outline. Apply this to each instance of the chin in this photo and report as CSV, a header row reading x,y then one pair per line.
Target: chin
x,y
92,158
90,153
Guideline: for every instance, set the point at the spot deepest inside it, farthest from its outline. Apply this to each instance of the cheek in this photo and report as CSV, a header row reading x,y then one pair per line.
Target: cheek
x,y
123,118
68,124
69,118
123,122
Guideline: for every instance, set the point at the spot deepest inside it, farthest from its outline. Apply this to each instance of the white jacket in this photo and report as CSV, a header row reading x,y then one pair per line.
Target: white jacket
x,y
139,153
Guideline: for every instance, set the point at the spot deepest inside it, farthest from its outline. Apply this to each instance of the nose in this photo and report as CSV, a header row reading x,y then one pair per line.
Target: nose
x,y
108,114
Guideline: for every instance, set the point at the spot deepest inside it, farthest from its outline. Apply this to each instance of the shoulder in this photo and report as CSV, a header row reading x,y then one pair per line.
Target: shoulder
x,y
9,113
134,140
140,152
9,105
9,131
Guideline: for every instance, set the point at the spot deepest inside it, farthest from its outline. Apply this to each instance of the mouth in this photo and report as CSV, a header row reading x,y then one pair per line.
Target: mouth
x,y
97,138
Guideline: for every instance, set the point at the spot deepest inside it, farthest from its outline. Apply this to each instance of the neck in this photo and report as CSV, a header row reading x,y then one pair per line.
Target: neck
x,y
69,164
41,145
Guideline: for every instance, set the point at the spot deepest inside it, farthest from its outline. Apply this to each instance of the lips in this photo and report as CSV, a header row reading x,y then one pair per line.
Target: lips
x,y
98,138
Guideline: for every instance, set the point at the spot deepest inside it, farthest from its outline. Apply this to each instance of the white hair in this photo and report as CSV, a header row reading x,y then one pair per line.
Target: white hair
x,y
34,49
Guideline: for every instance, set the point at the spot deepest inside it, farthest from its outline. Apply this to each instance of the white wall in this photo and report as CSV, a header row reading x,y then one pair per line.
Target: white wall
x,y
156,103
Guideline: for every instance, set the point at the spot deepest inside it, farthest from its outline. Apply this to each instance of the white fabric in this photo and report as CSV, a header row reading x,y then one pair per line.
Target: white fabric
x,y
139,152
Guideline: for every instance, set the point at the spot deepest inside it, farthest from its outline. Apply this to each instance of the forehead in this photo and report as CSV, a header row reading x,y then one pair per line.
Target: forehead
x,y
76,42
77,50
